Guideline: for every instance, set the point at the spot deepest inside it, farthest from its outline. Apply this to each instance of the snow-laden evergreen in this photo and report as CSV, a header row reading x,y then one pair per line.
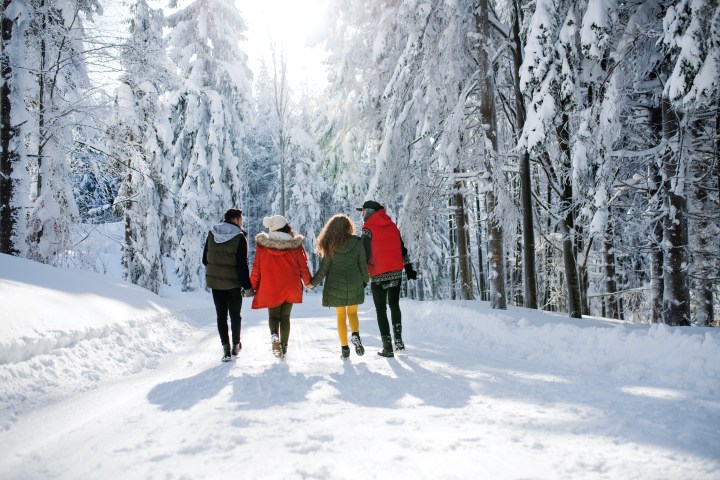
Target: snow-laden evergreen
x,y
209,117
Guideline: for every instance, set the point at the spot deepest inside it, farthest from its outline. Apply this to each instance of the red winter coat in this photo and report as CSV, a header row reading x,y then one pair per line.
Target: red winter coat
x,y
279,270
385,245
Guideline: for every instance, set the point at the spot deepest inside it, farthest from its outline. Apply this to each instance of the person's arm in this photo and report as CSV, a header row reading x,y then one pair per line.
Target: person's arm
x,y
366,239
242,264
321,273
256,269
205,248
362,265
409,270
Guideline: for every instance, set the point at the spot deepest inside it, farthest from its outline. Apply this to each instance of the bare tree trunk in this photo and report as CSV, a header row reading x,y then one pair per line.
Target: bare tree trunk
x,y
498,298
612,310
676,301
466,283
657,256
478,227
7,157
453,274
567,224
282,107
528,232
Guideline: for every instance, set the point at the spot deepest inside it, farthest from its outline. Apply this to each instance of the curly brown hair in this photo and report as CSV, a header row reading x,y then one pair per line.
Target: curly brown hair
x,y
335,232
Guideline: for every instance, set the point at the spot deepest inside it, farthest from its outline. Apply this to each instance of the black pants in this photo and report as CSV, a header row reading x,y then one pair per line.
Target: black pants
x,y
382,297
228,301
279,321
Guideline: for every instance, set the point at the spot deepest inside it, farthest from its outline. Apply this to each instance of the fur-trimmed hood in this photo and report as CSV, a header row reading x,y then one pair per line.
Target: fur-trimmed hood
x,y
279,240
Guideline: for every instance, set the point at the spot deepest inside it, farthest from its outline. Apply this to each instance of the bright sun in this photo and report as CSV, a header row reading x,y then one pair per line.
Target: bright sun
x,y
293,23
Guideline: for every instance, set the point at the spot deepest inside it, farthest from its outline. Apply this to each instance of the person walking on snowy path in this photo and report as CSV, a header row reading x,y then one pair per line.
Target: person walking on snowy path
x,y
279,270
226,257
344,268
386,258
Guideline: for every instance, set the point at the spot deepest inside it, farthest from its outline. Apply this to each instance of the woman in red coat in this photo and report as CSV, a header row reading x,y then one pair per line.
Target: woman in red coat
x,y
279,270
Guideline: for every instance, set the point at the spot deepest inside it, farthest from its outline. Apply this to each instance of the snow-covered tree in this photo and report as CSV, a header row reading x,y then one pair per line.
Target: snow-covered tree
x,y
209,117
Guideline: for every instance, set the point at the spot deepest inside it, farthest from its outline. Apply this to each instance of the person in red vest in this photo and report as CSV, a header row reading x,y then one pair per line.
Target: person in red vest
x,y
386,258
278,272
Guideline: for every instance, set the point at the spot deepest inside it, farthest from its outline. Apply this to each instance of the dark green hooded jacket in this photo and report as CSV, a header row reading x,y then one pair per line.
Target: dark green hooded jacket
x,y
225,255
345,274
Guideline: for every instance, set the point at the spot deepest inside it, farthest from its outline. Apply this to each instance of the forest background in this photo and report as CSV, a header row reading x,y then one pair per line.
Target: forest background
x,y
554,154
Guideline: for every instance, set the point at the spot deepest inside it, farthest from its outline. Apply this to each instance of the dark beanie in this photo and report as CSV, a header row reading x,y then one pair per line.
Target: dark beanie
x,y
372,205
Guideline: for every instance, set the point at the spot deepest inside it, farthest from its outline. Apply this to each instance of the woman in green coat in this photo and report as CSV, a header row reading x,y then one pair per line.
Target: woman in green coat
x,y
345,266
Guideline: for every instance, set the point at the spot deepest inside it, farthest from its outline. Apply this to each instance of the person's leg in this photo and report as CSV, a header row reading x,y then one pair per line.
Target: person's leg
x,y
393,298
352,312
341,314
235,299
379,295
285,310
396,315
220,299
274,321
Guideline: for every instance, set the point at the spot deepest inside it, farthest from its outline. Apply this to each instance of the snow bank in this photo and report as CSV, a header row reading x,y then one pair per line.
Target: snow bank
x,y
657,355
63,330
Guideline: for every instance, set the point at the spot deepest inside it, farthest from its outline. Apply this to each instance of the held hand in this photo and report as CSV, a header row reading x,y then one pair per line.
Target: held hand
x,y
248,293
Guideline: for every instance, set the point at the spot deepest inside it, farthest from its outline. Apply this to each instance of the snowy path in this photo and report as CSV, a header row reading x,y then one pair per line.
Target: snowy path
x,y
450,408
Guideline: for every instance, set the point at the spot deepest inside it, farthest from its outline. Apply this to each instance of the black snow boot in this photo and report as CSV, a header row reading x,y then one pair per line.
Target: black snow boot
x,y
355,340
397,330
387,350
226,353
345,352
236,348
283,346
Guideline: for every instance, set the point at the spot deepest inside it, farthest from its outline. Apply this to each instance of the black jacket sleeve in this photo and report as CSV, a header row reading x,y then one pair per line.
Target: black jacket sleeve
x,y
366,239
204,259
242,263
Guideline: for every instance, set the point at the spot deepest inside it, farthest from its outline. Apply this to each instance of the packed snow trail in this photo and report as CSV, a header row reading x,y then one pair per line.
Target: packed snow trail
x,y
458,404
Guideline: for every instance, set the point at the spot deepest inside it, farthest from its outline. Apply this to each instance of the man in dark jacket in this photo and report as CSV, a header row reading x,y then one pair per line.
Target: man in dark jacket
x,y
387,257
226,257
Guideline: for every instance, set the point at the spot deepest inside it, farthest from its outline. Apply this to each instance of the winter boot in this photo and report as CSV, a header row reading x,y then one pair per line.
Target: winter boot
x,y
283,346
226,352
276,347
397,329
236,348
345,352
387,350
355,340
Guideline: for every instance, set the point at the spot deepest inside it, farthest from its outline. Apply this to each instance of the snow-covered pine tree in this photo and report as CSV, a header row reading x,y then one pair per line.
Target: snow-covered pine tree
x,y
46,84
142,193
209,117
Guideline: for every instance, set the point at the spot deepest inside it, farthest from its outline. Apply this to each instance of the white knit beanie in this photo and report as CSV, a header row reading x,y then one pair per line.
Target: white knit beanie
x,y
275,222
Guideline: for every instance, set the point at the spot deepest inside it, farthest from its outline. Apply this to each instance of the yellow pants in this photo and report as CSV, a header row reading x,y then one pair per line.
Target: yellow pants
x,y
349,312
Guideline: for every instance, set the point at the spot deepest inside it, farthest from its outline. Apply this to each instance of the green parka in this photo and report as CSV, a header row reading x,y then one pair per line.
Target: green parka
x,y
347,275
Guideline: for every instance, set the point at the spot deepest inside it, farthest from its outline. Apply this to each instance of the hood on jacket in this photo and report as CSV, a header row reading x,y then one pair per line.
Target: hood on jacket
x,y
349,245
279,240
224,232
379,218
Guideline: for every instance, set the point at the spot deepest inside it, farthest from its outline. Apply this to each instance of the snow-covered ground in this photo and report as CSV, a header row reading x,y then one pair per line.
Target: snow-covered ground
x,y
102,379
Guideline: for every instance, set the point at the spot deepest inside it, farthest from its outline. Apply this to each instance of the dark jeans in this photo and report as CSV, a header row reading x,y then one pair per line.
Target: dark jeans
x,y
279,321
228,301
382,297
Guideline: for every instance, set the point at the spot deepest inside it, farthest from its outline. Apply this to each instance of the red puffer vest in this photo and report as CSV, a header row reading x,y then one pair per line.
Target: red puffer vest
x,y
385,252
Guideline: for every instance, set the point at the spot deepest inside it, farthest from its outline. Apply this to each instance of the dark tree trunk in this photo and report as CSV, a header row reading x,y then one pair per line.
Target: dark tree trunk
x,y
463,243
676,301
498,298
567,223
481,269
7,157
528,232
453,273
657,256
612,310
